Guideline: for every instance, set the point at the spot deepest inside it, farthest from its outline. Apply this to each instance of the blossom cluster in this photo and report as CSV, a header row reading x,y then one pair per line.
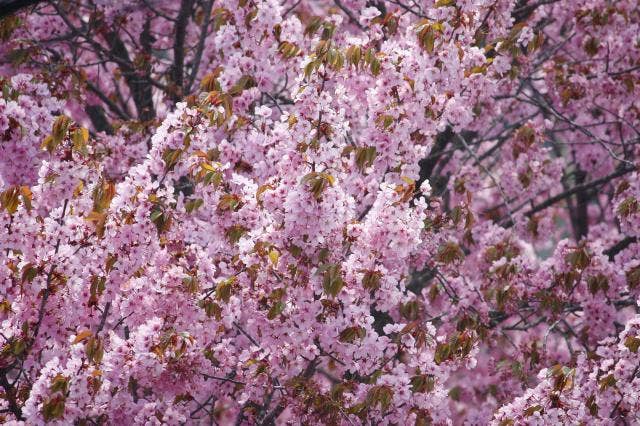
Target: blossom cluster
x,y
320,212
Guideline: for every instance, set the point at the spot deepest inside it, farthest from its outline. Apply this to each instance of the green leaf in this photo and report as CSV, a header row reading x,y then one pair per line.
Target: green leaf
x,y
220,17
212,178
351,334
311,67
212,309
60,384
171,157
375,66
192,205
579,258
353,55
8,25
365,156
18,347
102,194
191,284
9,199
423,383
632,343
94,350
224,289
607,382
591,46
592,405
313,26
288,50
531,410
332,280
53,408
60,127
80,137
317,183
449,252
245,82
598,282
381,395
458,346
628,207
371,280
633,277
161,218
29,272
427,39
276,310
411,310
229,202
156,214
294,250
235,232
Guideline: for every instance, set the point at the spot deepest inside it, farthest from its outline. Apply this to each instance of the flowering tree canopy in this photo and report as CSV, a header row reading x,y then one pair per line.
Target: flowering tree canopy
x,y
320,212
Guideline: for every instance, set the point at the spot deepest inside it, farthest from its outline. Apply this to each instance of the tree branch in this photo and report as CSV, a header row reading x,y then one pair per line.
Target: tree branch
x,y
9,7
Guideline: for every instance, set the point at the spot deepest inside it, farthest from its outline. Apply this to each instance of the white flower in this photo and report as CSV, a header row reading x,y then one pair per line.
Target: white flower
x,y
368,14
263,111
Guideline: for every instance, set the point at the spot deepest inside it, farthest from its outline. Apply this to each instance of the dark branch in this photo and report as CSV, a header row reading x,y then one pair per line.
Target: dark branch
x,y
619,246
178,48
576,189
9,7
